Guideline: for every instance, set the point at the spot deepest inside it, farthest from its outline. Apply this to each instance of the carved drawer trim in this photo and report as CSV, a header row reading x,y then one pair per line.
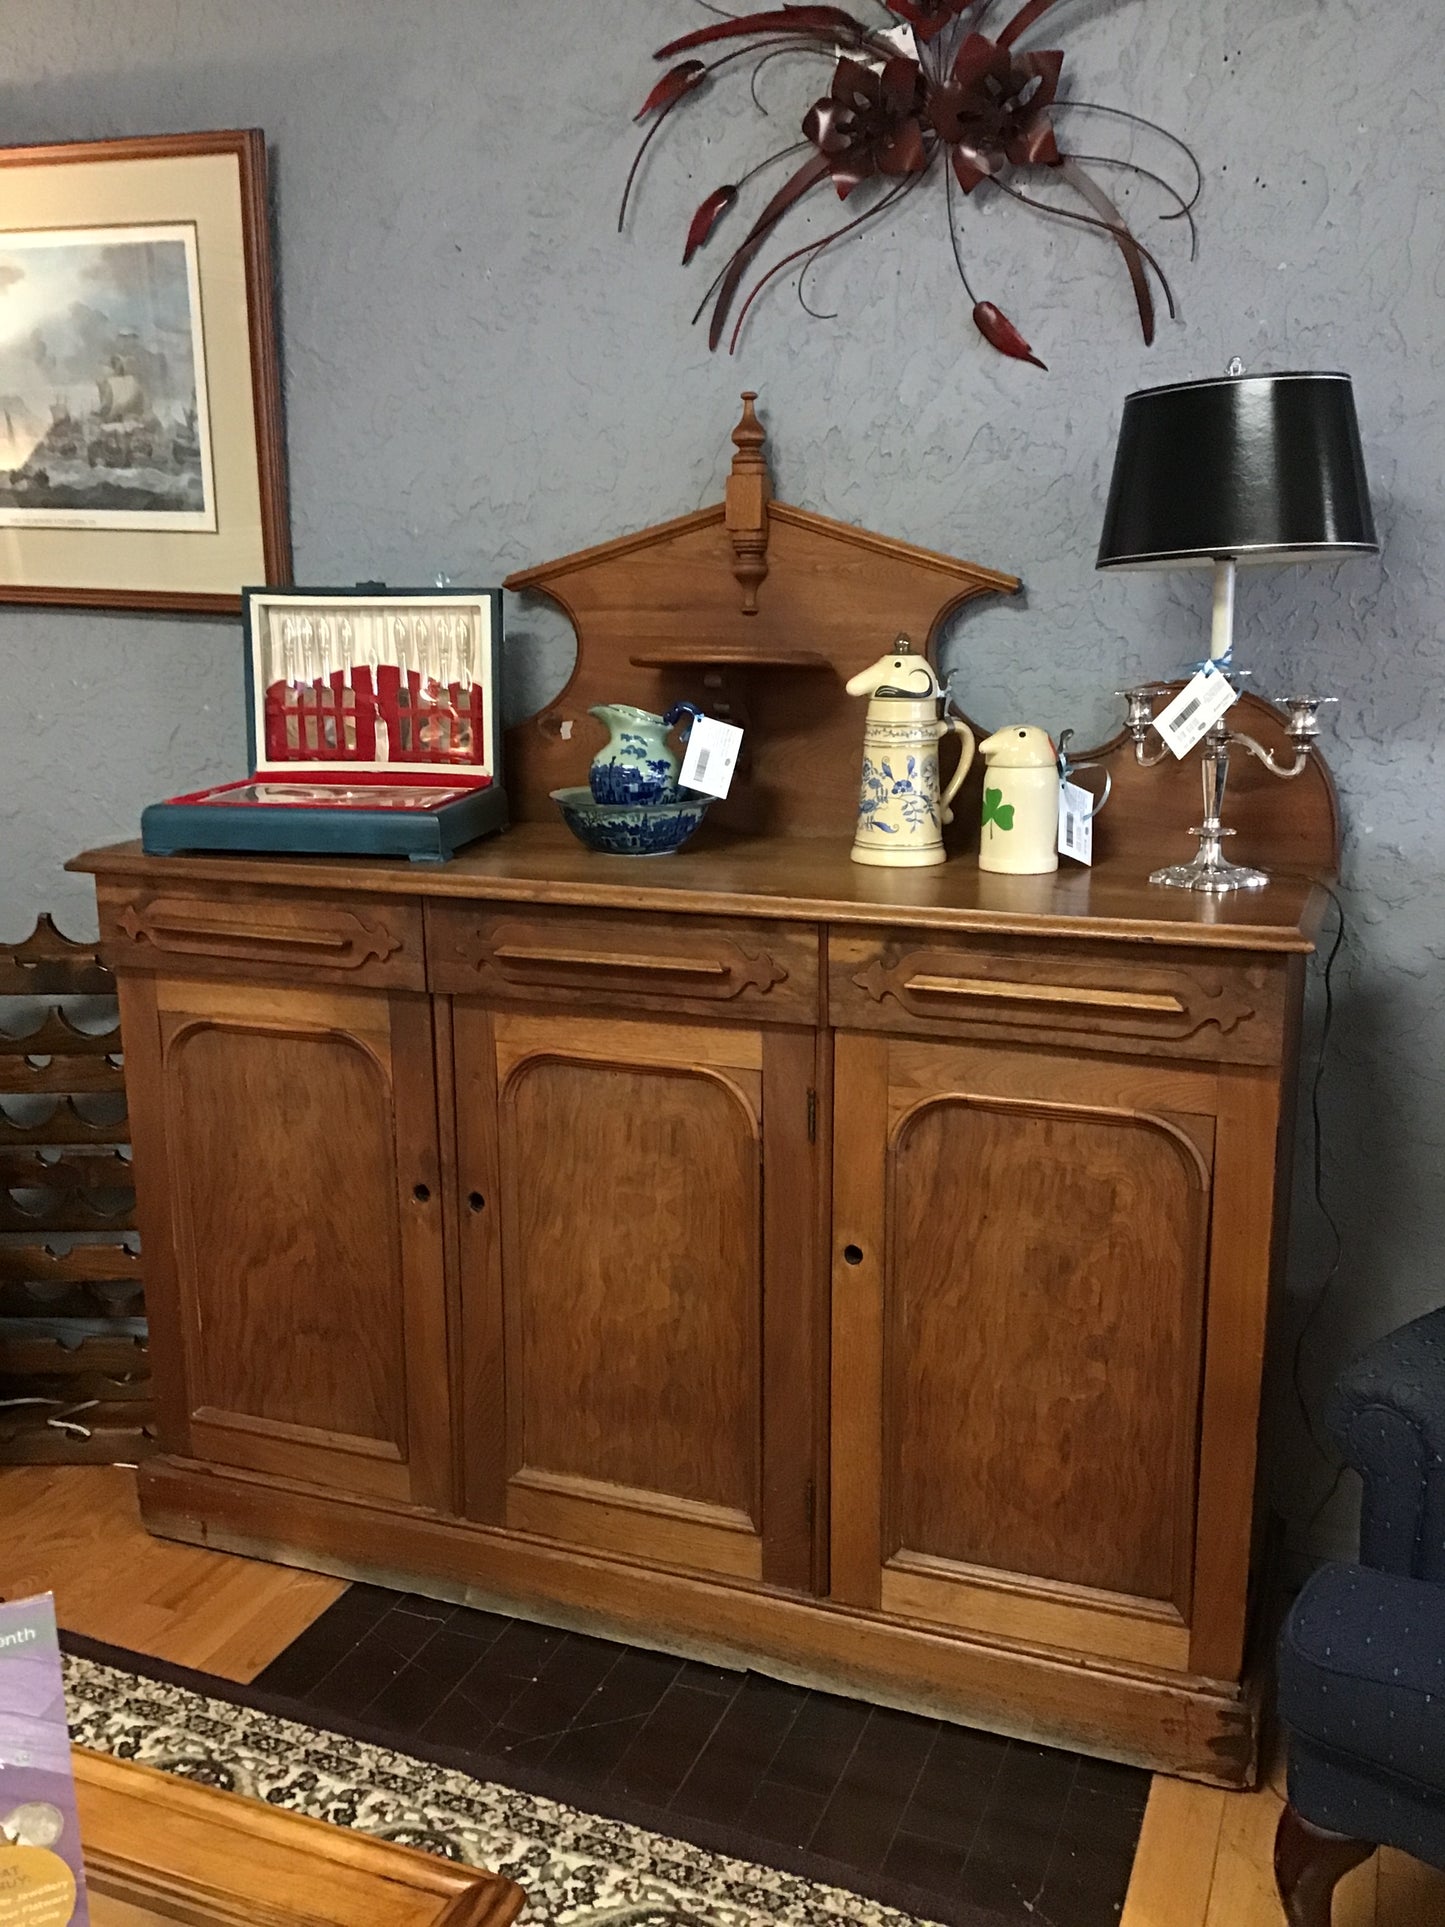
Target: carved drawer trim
x,y
644,961
1035,990
728,969
1074,995
178,928
374,944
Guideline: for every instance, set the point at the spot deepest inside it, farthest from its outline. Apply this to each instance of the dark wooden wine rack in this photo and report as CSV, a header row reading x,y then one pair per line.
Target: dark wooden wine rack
x,y
74,1374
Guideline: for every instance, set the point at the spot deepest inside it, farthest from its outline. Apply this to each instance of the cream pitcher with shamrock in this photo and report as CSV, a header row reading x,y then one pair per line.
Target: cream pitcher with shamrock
x,y
901,813
1020,835
1021,800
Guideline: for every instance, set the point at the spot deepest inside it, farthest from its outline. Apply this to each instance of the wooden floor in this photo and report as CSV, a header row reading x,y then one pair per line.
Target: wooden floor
x,y
76,1531
1204,1856
1204,1861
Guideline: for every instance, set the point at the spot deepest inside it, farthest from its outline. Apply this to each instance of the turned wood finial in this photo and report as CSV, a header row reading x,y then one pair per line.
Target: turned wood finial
x,y
750,489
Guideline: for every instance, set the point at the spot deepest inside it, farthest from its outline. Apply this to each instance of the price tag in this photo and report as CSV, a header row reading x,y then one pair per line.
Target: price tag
x,y
1076,822
712,755
1196,709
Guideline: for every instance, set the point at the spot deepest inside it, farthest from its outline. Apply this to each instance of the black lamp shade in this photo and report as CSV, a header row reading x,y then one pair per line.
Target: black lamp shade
x,y
1260,468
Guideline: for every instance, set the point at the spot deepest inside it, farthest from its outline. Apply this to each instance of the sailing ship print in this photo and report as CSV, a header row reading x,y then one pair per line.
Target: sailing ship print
x,y
102,395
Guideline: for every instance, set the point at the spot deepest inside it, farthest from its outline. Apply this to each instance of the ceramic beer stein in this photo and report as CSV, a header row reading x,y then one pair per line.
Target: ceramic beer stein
x,y
901,812
636,764
1020,834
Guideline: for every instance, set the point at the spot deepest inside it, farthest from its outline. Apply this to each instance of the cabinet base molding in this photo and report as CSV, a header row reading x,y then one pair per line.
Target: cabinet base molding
x,y
1169,1722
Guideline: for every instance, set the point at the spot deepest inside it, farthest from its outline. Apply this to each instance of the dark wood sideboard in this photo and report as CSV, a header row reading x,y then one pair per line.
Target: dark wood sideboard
x,y
860,1274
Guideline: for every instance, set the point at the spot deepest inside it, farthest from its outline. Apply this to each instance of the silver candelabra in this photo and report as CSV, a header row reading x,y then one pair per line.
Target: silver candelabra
x,y
1210,869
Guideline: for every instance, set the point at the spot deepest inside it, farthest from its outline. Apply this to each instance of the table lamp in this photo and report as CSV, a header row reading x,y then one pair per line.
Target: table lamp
x,y
1242,469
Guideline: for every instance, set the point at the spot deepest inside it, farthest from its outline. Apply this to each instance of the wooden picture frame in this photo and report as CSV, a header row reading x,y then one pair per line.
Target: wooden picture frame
x,y
142,454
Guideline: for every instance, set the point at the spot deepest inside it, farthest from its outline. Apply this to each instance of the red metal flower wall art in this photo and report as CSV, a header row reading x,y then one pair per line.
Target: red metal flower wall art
x,y
926,94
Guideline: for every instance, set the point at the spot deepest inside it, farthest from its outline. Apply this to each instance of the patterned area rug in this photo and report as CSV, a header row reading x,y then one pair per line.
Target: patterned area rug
x,y
577,1869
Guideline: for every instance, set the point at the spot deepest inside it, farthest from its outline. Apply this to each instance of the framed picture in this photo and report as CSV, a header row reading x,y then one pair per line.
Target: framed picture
x,y
142,461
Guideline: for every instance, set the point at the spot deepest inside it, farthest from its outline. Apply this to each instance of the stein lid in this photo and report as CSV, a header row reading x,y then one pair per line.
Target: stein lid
x,y
1020,746
903,673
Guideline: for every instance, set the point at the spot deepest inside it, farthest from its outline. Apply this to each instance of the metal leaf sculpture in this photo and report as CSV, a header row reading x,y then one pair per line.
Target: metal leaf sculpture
x,y
929,94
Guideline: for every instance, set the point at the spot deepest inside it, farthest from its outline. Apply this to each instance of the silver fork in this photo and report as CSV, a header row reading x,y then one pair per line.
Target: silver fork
x,y
308,699
293,685
346,638
401,642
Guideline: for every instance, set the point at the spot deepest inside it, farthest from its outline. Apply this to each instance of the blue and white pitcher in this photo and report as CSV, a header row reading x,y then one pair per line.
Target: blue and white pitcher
x,y
637,764
901,809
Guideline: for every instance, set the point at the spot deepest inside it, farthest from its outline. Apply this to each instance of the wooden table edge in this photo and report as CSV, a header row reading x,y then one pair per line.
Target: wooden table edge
x,y
121,1794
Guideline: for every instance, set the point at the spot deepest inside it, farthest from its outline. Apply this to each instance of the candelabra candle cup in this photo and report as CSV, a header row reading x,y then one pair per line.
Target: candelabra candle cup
x,y
1304,716
1139,721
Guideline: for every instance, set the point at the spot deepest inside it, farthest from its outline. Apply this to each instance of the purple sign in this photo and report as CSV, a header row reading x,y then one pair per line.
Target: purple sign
x,y
42,1877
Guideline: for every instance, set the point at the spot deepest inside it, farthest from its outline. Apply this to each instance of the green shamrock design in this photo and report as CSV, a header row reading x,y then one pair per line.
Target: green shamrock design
x,y
995,810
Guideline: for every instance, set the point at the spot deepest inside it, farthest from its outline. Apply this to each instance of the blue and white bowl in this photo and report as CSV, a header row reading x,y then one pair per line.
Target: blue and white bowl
x,y
631,829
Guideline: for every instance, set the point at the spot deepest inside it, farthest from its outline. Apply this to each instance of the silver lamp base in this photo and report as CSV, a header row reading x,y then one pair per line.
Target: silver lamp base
x,y
1209,870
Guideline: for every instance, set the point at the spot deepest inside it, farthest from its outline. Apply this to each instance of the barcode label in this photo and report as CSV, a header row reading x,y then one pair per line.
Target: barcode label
x,y
712,754
1076,822
1195,710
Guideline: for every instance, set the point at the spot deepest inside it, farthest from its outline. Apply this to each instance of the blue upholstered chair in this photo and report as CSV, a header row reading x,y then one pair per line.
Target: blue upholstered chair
x,y
1362,1655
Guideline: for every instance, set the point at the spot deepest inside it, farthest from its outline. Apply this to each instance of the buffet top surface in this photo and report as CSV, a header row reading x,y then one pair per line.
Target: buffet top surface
x,y
801,879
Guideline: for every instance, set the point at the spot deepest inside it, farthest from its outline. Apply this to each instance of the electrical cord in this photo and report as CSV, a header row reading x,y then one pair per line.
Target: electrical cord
x,y
1332,1270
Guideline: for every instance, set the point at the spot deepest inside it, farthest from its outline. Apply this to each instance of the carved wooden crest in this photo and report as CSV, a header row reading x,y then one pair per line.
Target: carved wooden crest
x,y
758,612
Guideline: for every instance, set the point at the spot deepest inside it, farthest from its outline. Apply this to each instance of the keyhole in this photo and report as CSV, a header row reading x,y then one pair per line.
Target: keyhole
x,y
476,1201
853,1254
422,1193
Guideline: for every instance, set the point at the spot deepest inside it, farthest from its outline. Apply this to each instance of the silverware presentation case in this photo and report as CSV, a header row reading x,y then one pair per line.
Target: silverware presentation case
x,y
373,729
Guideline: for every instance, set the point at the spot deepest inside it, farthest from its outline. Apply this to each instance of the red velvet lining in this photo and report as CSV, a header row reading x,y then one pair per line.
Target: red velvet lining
x,y
312,724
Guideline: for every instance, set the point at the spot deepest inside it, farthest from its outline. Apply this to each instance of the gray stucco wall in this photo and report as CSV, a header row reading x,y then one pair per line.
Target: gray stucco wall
x,y
481,374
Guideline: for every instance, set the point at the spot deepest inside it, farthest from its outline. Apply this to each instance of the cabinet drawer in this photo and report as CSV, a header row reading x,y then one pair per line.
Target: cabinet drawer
x,y
1108,997
766,972
374,943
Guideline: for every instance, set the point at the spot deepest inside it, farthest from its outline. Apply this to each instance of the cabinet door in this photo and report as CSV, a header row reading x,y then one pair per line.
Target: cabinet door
x,y
303,1256
640,1285
1019,1292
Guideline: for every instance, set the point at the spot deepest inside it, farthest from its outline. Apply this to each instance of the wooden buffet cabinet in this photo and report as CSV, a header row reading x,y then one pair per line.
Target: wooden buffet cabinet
x,y
862,1275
